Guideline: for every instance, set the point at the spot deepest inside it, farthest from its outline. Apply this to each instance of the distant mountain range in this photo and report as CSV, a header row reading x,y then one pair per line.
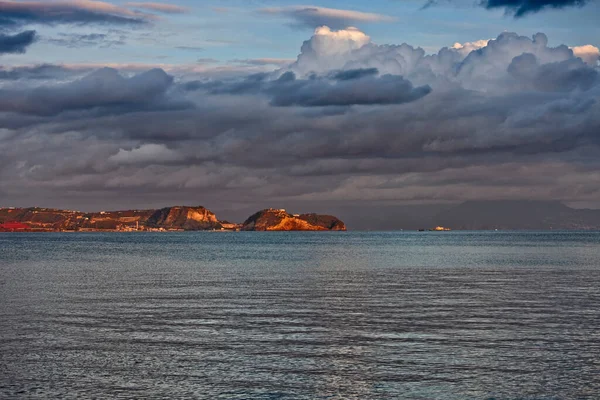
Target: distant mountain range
x,y
529,215
471,215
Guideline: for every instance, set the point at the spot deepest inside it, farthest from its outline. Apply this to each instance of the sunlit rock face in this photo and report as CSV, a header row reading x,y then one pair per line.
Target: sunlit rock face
x,y
169,218
187,218
280,220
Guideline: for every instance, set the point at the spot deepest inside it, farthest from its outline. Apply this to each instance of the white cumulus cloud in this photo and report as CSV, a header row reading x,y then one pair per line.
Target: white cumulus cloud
x,y
588,53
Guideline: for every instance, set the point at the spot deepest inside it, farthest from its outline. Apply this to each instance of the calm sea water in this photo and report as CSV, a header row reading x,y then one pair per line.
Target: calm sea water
x,y
453,315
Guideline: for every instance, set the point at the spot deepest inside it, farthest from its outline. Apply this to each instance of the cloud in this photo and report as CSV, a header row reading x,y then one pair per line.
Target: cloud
x,y
481,68
327,49
466,48
160,7
588,53
14,13
16,43
207,60
73,41
313,16
190,48
562,76
351,88
263,61
104,88
36,72
145,154
343,88
199,69
354,74
487,65
349,123
520,8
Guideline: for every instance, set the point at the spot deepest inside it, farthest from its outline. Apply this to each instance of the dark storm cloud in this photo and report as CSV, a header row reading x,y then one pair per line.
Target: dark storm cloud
x,y
523,7
561,76
38,72
104,88
70,12
520,8
16,43
345,88
251,84
354,74
362,90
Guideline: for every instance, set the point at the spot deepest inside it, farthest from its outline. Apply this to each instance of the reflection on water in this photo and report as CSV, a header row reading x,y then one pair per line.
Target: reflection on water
x,y
300,315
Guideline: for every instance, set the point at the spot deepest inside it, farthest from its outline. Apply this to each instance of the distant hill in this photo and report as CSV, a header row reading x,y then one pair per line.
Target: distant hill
x,y
187,218
280,220
170,218
520,214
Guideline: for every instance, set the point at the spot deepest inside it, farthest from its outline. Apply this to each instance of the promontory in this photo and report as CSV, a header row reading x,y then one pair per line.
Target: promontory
x,y
280,220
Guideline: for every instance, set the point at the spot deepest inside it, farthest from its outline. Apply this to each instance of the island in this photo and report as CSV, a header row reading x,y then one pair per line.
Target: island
x,y
280,220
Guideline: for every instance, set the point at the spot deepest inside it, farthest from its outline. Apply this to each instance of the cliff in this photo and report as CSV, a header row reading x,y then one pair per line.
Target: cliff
x,y
170,218
186,218
280,220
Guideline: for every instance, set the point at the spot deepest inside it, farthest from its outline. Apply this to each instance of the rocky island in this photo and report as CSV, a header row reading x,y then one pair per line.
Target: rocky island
x,y
280,220
178,218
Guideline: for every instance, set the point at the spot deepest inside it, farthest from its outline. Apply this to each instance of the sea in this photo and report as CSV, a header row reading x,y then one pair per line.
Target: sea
x,y
300,315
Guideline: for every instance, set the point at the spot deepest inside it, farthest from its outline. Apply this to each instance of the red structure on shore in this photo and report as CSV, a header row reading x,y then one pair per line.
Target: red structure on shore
x,y
13,227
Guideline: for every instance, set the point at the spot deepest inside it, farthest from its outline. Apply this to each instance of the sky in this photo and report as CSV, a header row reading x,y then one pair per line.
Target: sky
x,y
240,105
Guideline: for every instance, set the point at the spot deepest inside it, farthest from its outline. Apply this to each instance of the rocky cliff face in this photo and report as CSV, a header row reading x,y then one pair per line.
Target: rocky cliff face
x,y
280,220
187,218
328,222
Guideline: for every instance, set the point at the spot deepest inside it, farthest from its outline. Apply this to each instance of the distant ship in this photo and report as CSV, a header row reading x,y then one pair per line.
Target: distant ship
x,y
437,229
